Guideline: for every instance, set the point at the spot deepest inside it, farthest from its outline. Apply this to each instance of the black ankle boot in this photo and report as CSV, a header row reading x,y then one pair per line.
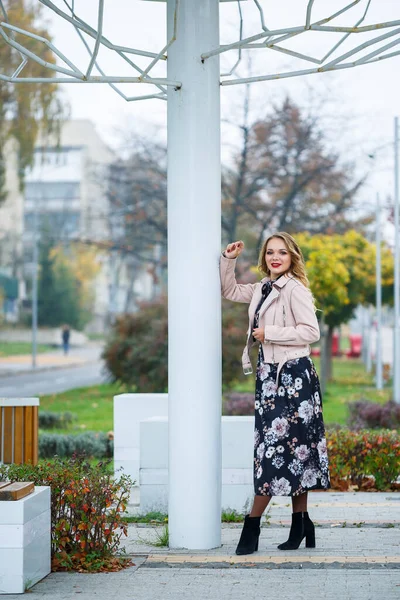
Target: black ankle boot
x,y
309,531
248,542
302,527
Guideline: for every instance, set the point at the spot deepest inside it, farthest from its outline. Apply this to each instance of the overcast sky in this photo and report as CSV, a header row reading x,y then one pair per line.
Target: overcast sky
x,y
365,99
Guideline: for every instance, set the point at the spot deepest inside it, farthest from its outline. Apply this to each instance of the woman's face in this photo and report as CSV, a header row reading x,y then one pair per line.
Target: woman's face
x,y
277,257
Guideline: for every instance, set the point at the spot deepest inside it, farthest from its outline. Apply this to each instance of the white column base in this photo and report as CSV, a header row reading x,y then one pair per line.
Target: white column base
x,y
237,464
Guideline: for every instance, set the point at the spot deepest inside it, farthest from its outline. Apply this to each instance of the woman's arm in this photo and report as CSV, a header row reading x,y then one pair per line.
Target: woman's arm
x,y
230,289
306,330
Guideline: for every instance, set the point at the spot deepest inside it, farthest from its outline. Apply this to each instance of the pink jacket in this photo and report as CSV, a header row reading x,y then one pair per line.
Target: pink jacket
x,y
287,315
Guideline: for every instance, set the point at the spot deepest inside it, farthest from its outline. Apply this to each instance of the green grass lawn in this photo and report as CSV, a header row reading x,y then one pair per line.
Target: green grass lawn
x,y
16,348
94,405
350,382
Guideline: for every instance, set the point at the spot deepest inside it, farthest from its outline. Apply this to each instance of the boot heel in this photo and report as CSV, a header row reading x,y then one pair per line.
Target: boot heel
x,y
310,540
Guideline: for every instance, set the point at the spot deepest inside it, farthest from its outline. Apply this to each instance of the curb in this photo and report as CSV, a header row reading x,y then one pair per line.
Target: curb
x,y
31,370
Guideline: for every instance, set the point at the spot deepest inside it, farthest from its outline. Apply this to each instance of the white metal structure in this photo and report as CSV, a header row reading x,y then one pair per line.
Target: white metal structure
x,y
193,83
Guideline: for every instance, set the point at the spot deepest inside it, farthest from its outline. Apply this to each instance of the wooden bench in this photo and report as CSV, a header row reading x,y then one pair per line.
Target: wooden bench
x,y
19,428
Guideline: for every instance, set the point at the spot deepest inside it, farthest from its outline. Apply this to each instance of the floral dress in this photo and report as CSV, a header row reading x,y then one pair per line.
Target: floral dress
x,y
290,455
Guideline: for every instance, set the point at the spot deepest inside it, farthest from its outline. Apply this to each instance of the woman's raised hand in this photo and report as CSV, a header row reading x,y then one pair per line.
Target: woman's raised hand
x,y
233,250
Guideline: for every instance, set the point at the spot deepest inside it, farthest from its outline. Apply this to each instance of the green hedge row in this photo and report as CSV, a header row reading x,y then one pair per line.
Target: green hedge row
x,y
356,455
54,420
92,444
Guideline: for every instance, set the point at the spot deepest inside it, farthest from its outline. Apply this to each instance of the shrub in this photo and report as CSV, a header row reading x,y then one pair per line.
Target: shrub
x,y
356,455
234,328
136,353
53,420
372,415
94,445
86,508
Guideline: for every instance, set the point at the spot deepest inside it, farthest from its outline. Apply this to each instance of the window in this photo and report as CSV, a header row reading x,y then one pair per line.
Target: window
x,y
42,191
60,224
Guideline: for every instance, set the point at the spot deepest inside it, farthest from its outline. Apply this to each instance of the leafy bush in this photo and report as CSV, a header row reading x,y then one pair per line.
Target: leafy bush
x,y
372,415
137,351
356,455
53,420
234,328
94,445
86,508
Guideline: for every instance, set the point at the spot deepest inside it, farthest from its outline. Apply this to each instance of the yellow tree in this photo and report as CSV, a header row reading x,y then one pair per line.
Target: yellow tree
x,y
341,269
83,264
26,109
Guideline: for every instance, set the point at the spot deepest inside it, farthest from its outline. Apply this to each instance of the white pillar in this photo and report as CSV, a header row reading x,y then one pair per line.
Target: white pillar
x,y
194,238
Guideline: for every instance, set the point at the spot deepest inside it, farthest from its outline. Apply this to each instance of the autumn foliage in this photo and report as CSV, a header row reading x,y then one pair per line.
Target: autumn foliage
x,y
136,352
87,505
365,459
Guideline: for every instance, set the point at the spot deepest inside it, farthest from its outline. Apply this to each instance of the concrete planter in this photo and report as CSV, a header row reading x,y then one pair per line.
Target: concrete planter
x,y
25,547
129,410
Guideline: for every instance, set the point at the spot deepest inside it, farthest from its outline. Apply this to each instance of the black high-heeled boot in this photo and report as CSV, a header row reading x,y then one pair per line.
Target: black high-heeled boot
x,y
248,542
309,531
302,527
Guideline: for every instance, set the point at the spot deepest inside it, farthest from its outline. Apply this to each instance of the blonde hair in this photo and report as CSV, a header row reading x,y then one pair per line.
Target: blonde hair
x,y
297,267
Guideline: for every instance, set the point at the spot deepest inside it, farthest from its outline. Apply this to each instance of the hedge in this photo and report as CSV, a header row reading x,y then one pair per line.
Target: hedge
x,y
93,444
355,456
55,420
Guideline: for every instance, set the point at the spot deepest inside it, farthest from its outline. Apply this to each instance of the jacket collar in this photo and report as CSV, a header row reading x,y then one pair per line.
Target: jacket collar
x,y
281,282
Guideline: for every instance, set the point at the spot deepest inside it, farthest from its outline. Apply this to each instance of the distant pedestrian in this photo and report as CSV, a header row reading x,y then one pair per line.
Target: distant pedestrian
x,y
66,332
290,456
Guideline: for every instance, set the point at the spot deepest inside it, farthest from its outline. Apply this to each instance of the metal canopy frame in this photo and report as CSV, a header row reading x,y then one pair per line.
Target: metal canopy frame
x,y
378,47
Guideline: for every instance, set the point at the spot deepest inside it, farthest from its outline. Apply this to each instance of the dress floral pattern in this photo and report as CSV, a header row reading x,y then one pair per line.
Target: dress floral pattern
x,y
290,455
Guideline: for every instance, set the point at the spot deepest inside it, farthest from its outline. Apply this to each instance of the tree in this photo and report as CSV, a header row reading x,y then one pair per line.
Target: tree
x,y
65,294
26,109
285,178
341,270
140,194
137,193
58,295
78,266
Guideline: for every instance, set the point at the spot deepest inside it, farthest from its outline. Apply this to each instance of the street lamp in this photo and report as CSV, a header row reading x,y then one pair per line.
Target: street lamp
x,y
378,353
396,332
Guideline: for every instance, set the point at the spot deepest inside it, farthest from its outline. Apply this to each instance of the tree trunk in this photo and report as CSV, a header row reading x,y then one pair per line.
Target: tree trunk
x,y
329,361
323,357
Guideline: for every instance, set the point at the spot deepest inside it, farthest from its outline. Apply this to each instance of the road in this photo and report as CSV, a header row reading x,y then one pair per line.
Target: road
x,y
51,381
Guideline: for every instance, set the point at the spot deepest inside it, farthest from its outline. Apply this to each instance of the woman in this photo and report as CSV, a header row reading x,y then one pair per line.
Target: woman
x,y
290,454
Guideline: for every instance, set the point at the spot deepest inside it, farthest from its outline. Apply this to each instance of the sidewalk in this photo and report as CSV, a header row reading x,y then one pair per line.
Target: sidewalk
x,y
357,558
77,357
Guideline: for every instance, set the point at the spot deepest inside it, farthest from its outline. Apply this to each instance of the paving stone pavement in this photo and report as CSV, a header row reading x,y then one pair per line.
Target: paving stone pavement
x,y
357,558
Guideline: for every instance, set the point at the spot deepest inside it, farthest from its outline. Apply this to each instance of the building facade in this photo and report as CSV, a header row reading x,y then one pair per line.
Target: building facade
x,y
65,194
